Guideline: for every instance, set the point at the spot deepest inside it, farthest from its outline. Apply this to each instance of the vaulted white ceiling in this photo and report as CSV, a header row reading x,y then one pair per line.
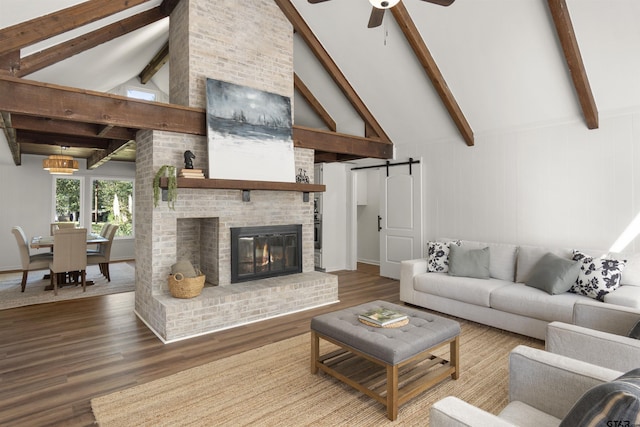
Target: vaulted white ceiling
x,y
500,58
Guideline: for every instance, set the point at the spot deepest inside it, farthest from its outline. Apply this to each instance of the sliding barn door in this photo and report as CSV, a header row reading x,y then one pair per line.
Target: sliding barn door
x,y
400,220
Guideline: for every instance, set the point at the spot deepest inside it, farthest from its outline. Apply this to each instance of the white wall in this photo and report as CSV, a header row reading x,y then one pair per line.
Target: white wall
x,y
27,193
367,218
557,185
335,247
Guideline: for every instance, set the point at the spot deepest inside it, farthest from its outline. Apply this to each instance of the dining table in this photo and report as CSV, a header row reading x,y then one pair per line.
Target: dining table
x,y
40,242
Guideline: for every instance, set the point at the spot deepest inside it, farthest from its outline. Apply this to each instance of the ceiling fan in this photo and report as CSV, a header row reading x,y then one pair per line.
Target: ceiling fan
x,y
379,6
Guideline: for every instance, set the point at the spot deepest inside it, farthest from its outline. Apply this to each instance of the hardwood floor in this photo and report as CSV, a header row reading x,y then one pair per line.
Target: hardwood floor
x,y
54,358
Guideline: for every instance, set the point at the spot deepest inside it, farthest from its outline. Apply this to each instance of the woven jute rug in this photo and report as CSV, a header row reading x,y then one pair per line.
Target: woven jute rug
x,y
273,386
123,279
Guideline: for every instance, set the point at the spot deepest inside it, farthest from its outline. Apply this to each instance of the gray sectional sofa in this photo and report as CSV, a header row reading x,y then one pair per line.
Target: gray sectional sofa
x,y
503,299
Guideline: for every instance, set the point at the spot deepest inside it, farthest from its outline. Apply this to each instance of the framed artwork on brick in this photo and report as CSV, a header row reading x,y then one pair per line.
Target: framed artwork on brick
x,y
249,133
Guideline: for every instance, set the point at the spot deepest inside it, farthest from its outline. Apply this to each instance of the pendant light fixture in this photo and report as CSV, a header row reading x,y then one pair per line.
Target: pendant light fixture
x,y
60,164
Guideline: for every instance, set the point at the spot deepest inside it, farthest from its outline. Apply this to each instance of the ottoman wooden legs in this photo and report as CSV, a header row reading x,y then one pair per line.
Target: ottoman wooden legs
x,y
423,371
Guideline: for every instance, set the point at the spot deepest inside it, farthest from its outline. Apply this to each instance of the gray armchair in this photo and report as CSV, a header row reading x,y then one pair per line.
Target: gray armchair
x,y
543,387
29,262
599,335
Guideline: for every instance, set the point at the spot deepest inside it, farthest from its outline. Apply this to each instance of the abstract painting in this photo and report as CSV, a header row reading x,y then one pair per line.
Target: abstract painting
x,y
249,133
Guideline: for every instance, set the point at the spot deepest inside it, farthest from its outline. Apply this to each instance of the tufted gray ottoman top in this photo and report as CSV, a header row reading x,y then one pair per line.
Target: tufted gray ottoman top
x,y
390,345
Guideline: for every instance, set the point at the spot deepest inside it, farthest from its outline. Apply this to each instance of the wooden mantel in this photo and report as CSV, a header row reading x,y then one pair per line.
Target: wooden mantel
x,y
236,184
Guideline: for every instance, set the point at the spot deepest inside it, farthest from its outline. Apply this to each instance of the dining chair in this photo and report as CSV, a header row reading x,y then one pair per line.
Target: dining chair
x,y
103,256
103,233
29,262
58,225
69,255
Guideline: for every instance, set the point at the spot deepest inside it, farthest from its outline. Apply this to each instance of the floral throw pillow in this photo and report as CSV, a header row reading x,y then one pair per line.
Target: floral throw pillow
x,y
597,276
438,256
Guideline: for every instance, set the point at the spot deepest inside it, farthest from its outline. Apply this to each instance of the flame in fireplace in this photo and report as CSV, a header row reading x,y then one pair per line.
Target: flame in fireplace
x,y
265,254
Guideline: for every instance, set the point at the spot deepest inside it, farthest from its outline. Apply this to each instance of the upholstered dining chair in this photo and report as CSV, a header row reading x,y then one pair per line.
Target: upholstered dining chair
x,y
103,255
70,255
58,225
103,233
29,262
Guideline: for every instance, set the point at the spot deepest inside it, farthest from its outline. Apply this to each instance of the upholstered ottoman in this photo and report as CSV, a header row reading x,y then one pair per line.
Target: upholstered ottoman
x,y
388,356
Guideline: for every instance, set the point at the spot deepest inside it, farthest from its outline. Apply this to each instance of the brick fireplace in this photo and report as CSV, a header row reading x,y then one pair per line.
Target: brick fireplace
x,y
248,43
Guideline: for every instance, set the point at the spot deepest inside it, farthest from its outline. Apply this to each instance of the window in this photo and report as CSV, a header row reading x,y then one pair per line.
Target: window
x,y
68,199
144,95
112,201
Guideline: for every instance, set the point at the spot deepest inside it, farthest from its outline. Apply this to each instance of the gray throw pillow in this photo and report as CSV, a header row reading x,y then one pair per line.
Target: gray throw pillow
x,y
616,400
554,274
469,262
635,331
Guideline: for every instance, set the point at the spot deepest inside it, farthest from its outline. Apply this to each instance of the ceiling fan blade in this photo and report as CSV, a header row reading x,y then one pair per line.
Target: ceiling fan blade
x,y
316,1
438,2
376,17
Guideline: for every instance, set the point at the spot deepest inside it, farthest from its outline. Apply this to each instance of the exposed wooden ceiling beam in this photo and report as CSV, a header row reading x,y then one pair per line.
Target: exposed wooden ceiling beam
x,y
27,136
29,98
313,102
158,60
44,58
100,157
418,45
10,63
38,29
12,140
301,27
567,36
340,143
64,103
168,6
64,127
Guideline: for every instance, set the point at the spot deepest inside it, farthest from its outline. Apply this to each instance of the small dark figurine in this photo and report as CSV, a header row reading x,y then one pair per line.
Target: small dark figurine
x,y
188,159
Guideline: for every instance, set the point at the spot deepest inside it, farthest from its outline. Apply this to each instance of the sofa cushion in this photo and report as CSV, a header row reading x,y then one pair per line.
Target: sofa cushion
x,y
469,262
617,400
528,256
631,273
597,276
554,274
517,298
464,289
522,415
627,296
438,256
502,263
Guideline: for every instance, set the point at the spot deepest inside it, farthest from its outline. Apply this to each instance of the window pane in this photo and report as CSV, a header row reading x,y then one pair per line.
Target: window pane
x,y
112,201
67,200
141,94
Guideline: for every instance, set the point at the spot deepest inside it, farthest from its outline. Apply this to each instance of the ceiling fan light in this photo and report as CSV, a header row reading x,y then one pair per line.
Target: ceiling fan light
x,y
383,4
59,164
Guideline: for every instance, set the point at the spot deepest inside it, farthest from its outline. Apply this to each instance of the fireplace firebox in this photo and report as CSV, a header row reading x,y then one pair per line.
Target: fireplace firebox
x,y
268,251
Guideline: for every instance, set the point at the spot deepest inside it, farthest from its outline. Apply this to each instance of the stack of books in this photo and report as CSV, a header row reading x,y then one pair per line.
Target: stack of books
x,y
191,173
382,316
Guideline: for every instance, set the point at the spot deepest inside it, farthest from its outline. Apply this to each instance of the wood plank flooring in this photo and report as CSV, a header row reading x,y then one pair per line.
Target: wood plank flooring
x,y
54,358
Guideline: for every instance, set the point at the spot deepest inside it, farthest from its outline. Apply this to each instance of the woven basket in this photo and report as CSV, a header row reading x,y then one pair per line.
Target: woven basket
x,y
185,287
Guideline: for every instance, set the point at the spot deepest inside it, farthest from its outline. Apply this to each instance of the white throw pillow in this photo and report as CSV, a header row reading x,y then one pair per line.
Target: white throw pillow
x,y
598,276
438,256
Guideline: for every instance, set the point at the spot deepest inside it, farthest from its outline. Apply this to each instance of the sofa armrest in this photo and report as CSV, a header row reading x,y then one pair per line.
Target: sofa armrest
x,y
408,270
453,412
612,318
589,345
550,382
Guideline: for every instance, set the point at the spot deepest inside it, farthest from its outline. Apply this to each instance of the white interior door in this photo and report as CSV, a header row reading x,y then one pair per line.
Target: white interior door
x,y
400,217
